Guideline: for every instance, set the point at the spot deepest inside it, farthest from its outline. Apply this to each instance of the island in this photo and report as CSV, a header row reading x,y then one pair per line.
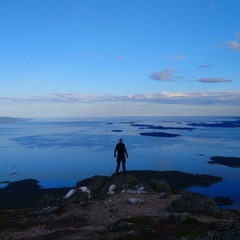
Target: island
x,y
226,161
149,126
5,182
172,128
159,134
225,124
12,120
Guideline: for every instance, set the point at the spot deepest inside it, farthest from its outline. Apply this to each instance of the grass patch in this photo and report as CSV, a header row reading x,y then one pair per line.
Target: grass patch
x,y
141,222
17,220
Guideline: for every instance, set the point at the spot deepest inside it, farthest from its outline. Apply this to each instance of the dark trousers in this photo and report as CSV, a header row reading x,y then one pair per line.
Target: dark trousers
x,y
123,165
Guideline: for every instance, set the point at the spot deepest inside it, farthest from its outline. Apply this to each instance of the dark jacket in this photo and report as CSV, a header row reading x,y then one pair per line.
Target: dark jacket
x,y
121,151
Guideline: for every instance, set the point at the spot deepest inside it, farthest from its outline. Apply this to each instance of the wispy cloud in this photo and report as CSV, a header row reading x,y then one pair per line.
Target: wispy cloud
x,y
165,75
213,80
85,55
233,45
177,57
120,57
237,34
198,98
212,5
205,66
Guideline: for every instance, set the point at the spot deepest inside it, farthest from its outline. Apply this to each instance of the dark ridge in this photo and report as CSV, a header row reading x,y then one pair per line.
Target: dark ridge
x,y
176,179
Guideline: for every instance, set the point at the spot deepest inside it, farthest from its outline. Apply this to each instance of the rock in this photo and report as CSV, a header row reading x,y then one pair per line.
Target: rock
x,y
85,189
114,210
178,218
135,201
85,203
111,188
95,184
47,200
81,217
122,183
137,189
77,197
122,225
195,203
149,231
165,195
45,211
70,193
227,231
223,200
159,185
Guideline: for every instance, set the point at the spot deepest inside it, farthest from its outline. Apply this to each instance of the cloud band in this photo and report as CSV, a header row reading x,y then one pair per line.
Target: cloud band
x,y
197,98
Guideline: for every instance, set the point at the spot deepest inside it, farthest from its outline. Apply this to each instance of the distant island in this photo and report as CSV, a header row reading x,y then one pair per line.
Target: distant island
x,y
4,182
12,120
149,126
225,124
226,161
159,134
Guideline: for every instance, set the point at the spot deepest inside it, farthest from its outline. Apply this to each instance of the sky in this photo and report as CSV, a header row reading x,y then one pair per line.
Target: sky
x,y
95,58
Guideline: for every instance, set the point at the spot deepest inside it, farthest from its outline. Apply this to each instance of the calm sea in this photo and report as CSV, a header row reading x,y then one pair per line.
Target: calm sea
x,y
60,152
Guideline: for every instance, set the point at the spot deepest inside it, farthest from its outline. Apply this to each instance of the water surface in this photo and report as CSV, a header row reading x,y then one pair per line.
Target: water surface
x,y
60,152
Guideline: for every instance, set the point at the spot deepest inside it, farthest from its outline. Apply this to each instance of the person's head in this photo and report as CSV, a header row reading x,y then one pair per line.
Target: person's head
x,y
120,140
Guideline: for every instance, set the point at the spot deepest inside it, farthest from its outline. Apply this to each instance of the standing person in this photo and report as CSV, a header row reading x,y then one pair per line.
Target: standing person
x,y
120,149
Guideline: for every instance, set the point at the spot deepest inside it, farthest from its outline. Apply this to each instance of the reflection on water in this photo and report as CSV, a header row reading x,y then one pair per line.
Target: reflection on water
x,y
219,189
62,152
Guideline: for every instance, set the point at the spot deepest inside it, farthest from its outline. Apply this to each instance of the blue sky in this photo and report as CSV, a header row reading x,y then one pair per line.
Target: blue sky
x,y
74,58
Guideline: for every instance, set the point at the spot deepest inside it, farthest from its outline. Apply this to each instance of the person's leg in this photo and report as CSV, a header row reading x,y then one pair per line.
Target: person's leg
x,y
118,166
124,166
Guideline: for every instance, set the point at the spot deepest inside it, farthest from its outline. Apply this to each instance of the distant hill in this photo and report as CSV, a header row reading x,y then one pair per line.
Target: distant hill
x,y
12,120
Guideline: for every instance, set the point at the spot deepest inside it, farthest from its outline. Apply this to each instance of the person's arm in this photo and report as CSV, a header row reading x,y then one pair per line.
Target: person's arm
x,y
115,150
125,150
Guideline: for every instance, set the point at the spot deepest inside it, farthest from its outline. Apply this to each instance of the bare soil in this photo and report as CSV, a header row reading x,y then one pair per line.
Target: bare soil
x,y
91,220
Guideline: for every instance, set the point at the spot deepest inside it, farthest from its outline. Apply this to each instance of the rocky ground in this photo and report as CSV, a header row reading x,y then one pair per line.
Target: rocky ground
x,y
139,211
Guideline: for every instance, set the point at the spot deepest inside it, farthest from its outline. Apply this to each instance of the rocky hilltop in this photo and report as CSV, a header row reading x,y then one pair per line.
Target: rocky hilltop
x,y
124,207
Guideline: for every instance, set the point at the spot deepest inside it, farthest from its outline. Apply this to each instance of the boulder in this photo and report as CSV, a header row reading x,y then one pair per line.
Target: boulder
x,y
121,183
159,185
195,203
95,184
77,197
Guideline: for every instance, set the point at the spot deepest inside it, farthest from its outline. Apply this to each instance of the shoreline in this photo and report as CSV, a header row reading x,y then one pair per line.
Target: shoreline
x,y
175,178
23,189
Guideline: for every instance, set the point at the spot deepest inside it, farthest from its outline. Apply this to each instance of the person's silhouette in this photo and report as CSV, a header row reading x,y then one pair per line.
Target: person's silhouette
x,y
120,149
